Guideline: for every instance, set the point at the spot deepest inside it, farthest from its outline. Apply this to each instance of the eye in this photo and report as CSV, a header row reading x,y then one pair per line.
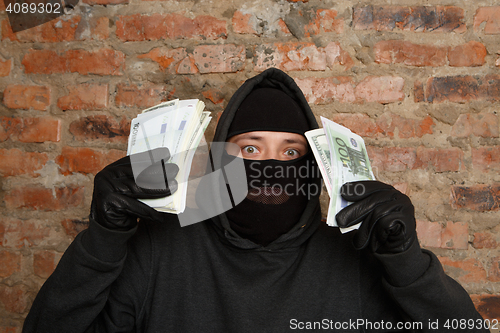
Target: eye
x,y
249,150
294,153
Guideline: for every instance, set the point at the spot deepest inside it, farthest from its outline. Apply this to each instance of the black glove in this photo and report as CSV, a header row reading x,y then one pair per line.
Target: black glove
x,y
114,201
388,217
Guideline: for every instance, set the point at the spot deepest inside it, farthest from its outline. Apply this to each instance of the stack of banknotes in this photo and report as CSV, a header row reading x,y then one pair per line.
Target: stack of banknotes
x,y
177,125
341,156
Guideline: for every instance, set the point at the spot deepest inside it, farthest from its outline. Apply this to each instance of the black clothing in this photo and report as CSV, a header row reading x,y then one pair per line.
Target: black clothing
x,y
277,196
269,109
159,277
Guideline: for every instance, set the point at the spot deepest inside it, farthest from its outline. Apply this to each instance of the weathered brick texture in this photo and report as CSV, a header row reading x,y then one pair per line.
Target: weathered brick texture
x,y
420,82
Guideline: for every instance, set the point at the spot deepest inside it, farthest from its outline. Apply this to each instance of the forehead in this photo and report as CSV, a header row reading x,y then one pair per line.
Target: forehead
x,y
268,136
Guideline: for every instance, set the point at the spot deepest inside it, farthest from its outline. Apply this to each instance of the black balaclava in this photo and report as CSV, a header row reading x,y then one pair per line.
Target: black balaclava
x,y
278,190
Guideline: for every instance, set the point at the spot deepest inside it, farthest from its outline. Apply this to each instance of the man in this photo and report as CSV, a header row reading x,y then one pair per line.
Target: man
x,y
267,265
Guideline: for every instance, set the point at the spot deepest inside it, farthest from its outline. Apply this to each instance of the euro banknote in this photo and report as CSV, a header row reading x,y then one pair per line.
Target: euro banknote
x,y
345,160
177,125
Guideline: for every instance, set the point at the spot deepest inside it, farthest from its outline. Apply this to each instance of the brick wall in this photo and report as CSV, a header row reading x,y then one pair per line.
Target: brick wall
x,y
420,80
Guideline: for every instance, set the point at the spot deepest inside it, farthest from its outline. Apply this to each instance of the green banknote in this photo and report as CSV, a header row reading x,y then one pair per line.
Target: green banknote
x,y
349,162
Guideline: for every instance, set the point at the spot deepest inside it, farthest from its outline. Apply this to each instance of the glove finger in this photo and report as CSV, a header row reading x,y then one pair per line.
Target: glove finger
x,y
375,224
121,207
130,188
358,211
355,191
156,174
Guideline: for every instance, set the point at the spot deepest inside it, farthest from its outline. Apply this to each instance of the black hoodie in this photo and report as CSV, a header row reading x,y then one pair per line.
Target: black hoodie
x,y
160,277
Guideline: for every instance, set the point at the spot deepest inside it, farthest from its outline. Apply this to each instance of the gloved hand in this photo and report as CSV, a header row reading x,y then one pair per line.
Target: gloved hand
x,y
388,217
114,202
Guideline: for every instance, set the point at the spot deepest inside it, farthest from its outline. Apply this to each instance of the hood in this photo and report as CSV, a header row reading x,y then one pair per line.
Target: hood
x,y
311,217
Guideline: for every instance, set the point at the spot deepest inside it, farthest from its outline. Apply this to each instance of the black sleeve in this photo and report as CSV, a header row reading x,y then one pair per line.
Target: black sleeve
x,y
78,296
417,283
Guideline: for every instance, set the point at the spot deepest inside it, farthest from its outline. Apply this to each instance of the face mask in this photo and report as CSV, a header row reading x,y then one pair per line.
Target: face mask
x,y
278,192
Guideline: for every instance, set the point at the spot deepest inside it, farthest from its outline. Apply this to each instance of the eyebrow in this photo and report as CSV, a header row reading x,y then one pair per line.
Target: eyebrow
x,y
259,138
250,137
294,141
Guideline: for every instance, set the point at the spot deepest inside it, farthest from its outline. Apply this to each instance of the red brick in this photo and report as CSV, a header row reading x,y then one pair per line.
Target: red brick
x,y
143,97
5,67
300,56
27,97
45,62
391,125
219,58
494,271
101,62
30,129
9,329
214,95
490,15
44,263
465,271
99,28
384,89
73,227
402,187
61,30
417,18
392,159
327,90
187,66
388,124
166,58
463,89
481,124
7,32
58,30
2,5
467,55
244,23
324,20
402,52
484,240
105,2
100,127
86,160
15,299
455,236
201,27
488,306
440,159
16,233
360,124
429,233
85,97
477,197
283,27
140,27
41,198
14,162
10,263
486,159
381,89
418,92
